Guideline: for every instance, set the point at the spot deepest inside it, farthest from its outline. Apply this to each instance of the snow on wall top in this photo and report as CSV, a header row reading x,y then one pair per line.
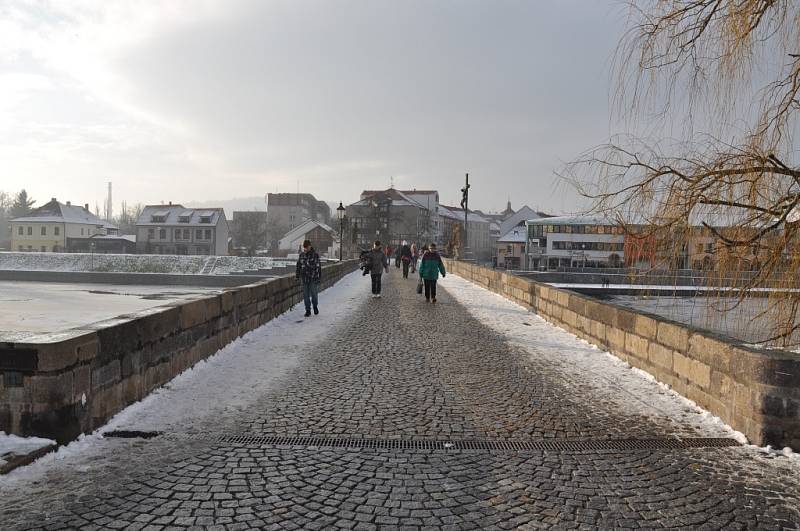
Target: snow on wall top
x,y
134,263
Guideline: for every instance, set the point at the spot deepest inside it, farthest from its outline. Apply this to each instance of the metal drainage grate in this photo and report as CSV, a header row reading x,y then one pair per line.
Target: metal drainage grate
x,y
127,434
356,444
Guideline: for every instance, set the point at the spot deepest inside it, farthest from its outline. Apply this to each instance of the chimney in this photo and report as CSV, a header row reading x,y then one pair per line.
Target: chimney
x,y
53,200
170,203
69,203
86,206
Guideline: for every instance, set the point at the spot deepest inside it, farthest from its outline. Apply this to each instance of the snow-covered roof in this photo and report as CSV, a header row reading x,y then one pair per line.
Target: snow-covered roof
x,y
472,216
515,235
303,229
130,237
447,213
571,220
519,217
180,215
397,198
55,212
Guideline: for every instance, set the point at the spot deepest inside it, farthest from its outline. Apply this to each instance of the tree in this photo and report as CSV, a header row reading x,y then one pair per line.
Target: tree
x,y
22,204
5,214
712,70
126,220
249,230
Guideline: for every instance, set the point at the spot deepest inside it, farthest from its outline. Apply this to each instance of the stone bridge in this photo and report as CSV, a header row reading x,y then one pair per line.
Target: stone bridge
x,y
471,413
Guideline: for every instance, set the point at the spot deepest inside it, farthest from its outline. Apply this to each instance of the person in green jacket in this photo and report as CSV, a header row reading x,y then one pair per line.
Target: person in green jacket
x,y
429,270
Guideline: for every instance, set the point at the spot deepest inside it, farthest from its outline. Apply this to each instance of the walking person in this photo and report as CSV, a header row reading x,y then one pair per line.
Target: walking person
x,y
429,270
405,258
414,257
309,272
378,264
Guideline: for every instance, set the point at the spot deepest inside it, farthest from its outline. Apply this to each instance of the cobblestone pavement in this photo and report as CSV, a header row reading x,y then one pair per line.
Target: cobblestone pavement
x,y
401,369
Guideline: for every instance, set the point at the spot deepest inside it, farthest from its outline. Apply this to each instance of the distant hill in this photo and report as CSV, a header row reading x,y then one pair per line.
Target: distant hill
x,y
241,203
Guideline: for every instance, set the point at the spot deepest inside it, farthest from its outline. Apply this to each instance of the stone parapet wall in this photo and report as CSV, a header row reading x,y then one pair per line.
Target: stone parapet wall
x,y
63,384
756,392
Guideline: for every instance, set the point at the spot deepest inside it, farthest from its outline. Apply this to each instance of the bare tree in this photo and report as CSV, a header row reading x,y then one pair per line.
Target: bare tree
x,y
726,74
6,203
249,230
127,218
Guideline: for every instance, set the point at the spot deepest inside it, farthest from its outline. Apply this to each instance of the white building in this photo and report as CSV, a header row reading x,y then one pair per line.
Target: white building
x,y
54,226
175,229
519,218
573,241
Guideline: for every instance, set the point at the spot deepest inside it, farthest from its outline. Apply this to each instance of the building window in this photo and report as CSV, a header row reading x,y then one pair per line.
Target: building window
x,y
198,234
151,234
208,234
81,231
20,248
177,234
44,248
30,231
57,231
44,230
12,379
162,234
187,234
30,248
19,230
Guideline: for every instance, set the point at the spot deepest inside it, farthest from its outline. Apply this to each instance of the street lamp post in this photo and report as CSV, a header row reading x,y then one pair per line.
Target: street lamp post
x,y
266,223
465,206
91,249
340,212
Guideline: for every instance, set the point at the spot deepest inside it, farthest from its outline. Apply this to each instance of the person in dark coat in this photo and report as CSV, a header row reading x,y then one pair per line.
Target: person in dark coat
x,y
309,273
364,262
405,257
378,263
429,270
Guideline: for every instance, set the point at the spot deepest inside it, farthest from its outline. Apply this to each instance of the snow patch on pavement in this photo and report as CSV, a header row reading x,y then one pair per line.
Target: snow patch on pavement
x,y
200,399
11,445
606,373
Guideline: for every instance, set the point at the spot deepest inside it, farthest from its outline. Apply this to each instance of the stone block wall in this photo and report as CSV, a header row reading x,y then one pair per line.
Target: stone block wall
x,y
63,384
757,392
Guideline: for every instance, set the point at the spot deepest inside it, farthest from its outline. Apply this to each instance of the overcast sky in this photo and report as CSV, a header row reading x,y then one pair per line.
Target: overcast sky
x,y
203,100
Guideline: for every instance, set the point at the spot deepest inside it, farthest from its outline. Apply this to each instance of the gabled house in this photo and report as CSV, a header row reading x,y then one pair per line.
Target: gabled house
x,y
175,229
511,248
57,227
321,236
393,216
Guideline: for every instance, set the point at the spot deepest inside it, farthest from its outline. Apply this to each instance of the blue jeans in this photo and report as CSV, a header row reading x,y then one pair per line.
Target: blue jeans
x,y
310,292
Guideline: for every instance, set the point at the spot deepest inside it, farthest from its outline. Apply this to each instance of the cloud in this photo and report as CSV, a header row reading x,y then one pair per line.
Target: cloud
x,y
339,95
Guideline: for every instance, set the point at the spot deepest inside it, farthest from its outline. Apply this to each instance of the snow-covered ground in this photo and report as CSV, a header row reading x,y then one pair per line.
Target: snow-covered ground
x,y
13,445
613,379
44,307
135,263
192,403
